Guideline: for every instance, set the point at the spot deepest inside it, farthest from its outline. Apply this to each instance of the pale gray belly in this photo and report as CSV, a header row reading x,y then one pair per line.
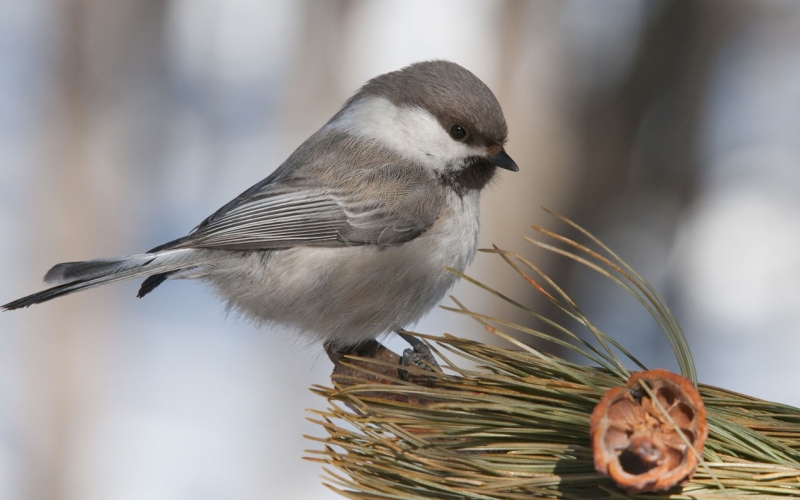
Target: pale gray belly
x,y
349,294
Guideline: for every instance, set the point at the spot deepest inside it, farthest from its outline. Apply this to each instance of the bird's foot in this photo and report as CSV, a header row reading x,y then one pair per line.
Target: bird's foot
x,y
418,355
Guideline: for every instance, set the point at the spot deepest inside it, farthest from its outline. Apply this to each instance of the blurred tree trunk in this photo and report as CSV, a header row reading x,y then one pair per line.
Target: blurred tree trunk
x,y
638,138
101,45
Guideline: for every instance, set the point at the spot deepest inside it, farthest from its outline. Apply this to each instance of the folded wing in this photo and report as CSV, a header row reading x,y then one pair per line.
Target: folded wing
x,y
359,210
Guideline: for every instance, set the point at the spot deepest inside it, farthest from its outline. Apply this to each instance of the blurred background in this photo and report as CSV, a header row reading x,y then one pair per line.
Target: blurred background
x,y
669,128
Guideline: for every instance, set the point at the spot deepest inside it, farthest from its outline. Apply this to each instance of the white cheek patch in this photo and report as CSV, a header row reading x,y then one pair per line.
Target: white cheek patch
x,y
411,132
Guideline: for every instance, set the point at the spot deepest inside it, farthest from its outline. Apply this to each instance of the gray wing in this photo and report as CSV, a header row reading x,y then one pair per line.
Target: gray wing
x,y
334,190
369,207
275,218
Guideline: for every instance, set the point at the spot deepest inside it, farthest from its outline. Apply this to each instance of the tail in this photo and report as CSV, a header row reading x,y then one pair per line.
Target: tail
x,y
76,276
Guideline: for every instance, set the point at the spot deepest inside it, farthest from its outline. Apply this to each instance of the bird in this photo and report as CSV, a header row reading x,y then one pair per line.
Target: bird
x,y
350,238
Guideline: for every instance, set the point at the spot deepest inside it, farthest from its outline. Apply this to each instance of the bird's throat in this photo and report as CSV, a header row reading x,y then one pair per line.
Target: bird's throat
x,y
474,175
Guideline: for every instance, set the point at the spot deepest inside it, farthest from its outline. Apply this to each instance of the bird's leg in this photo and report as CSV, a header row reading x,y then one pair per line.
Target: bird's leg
x,y
336,351
419,355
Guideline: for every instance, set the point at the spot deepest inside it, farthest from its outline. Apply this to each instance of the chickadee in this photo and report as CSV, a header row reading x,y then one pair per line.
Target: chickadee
x,y
350,237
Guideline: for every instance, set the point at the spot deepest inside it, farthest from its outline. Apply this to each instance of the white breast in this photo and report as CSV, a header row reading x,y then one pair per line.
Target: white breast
x,y
454,239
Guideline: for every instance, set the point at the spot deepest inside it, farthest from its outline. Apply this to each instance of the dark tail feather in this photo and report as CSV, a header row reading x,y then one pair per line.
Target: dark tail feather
x,y
89,274
152,282
44,296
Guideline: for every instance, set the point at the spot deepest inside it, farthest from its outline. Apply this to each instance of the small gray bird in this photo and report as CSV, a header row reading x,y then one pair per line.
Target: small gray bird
x,y
349,238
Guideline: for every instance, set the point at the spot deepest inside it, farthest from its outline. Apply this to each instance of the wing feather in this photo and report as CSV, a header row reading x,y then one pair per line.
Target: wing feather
x,y
380,200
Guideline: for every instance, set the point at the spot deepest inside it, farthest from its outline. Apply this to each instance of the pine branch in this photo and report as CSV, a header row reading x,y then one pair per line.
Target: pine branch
x,y
518,425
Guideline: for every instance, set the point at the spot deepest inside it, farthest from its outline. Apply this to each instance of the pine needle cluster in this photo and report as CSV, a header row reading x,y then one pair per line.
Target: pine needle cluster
x,y
517,426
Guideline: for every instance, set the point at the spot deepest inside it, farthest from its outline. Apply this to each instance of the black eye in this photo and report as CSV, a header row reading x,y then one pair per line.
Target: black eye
x,y
457,132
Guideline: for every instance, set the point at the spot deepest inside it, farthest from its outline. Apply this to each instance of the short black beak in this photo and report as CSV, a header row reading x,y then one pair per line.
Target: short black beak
x,y
502,160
